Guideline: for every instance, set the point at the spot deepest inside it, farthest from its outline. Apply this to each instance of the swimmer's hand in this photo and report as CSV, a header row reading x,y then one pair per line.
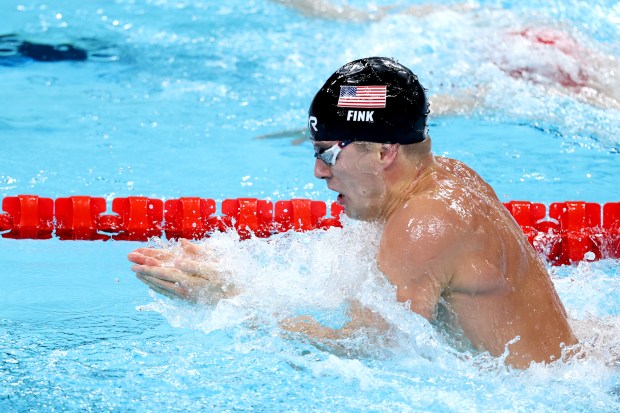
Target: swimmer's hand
x,y
312,328
359,317
186,272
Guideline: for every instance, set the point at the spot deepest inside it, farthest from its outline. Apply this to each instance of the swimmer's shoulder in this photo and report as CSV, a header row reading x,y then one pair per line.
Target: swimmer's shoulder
x,y
467,176
438,212
456,167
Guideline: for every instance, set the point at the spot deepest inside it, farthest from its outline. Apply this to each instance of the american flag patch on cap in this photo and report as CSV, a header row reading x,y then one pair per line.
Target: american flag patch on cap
x,y
362,96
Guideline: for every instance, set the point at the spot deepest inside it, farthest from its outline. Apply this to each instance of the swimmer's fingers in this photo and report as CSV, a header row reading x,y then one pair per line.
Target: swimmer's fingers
x,y
169,254
149,261
157,254
193,250
141,259
152,256
198,260
181,272
166,274
172,282
169,289
178,270
200,269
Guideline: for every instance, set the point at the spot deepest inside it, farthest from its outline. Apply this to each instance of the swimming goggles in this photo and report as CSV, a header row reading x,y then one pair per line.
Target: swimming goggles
x,y
329,155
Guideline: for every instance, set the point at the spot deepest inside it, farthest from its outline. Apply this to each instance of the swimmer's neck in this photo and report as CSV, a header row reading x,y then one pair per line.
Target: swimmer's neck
x,y
407,179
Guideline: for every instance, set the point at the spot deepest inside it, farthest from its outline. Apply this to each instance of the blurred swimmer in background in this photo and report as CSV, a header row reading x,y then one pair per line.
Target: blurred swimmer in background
x,y
559,60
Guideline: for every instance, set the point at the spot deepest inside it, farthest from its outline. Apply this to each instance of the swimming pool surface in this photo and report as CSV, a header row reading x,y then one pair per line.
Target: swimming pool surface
x,y
176,99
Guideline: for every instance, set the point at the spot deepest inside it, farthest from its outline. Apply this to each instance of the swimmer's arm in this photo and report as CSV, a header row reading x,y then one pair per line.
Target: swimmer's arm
x,y
417,250
359,317
326,10
458,102
186,273
298,136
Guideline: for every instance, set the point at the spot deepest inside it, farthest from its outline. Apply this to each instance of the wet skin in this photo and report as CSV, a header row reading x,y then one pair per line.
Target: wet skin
x,y
448,239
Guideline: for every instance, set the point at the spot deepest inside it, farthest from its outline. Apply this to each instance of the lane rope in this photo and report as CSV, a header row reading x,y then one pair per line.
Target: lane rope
x,y
565,232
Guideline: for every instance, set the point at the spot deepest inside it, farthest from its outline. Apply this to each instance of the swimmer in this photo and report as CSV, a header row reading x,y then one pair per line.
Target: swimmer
x,y
14,49
449,246
12,46
544,55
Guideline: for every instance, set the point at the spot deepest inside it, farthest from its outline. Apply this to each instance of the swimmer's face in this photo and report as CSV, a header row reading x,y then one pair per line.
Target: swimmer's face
x,y
355,176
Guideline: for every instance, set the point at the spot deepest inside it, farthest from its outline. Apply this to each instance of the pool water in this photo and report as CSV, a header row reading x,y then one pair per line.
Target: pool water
x,y
175,104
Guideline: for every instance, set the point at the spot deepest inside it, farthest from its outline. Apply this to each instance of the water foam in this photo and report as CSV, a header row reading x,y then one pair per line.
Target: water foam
x,y
320,272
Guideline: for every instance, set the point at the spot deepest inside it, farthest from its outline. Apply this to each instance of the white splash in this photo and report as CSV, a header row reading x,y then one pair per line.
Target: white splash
x,y
317,273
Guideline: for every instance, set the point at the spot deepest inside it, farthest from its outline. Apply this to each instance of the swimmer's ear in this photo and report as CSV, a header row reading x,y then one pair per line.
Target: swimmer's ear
x,y
388,152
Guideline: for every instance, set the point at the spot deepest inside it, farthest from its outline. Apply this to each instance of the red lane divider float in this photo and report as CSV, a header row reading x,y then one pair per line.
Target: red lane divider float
x,y
139,218
565,232
572,231
28,217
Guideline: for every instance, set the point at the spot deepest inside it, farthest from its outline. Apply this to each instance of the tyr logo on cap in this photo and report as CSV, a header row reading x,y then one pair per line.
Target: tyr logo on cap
x,y
312,121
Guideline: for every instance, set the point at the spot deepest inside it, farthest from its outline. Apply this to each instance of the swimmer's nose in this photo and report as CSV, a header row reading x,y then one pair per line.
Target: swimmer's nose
x,y
321,169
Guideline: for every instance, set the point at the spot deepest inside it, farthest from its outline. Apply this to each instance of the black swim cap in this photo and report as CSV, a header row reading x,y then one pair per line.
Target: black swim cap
x,y
375,99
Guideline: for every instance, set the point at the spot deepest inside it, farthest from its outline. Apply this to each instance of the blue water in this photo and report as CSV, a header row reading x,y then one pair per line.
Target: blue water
x,y
174,108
